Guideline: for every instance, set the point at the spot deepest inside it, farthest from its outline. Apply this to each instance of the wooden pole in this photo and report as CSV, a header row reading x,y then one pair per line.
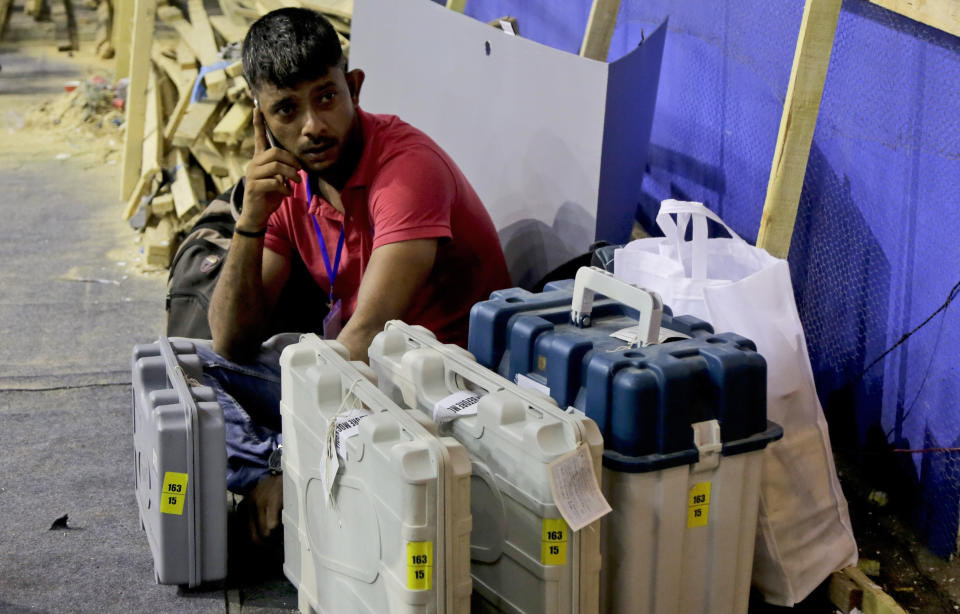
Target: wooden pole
x,y
941,14
797,124
600,27
141,43
122,35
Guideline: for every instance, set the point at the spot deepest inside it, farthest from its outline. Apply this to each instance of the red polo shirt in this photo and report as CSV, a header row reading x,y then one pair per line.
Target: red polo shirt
x,y
404,187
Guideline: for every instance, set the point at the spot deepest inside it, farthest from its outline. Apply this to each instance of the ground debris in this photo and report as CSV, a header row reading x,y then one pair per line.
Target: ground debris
x,y
60,524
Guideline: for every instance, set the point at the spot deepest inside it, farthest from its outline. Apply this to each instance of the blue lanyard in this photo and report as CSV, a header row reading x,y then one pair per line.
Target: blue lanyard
x,y
331,272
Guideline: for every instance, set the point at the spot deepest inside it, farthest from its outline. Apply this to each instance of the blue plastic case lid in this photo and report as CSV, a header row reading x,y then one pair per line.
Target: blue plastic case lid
x,y
644,400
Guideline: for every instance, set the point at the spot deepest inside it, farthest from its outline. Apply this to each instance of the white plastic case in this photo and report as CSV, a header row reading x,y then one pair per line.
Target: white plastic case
x,y
524,557
396,537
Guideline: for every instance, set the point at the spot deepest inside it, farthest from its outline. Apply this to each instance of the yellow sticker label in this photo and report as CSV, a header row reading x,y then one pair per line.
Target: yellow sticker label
x,y
554,542
419,566
541,363
174,493
698,508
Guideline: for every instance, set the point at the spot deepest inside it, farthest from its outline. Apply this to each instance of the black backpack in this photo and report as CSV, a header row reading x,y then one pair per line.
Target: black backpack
x,y
195,268
198,262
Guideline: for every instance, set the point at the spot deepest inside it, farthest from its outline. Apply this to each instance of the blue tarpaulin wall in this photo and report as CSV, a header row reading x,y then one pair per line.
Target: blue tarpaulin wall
x,y
875,249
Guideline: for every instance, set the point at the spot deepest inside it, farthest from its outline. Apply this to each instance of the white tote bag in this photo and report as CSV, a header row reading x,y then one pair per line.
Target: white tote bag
x,y
804,532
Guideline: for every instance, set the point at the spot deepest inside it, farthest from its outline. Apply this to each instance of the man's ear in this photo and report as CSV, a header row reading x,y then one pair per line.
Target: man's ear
x,y
355,81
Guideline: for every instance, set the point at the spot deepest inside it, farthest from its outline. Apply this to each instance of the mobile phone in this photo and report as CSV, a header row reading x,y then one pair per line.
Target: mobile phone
x,y
271,140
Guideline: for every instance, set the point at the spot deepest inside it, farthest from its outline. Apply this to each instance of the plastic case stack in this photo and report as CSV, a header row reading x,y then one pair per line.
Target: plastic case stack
x,y
684,425
181,459
395,534
524,557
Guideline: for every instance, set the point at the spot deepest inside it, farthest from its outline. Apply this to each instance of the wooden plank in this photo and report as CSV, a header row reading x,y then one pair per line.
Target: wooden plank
x,y
231,29
202,41
186,58
168,65
235,69
187,185
265,6
237,163
235,122
142,40
144,184
216,83
941,14
122,36
240,10
176,116
152,129
600,27
210,157
200,117
236,89
162,204
875,601
199,40
343,8
159,242
168,95
845,594
799,119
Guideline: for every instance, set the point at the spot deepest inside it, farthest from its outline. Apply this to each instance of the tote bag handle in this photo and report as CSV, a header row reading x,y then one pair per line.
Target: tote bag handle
x,y
676,231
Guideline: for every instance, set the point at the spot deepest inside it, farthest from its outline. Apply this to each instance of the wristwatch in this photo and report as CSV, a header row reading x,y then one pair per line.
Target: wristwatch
x,y
274,463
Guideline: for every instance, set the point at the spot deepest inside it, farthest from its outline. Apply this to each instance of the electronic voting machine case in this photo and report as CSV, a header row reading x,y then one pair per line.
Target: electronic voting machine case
x,y
525,559
682,411
376,510
180,460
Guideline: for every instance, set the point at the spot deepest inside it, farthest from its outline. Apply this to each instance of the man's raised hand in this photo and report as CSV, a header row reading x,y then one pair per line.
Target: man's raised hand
x,y
267,178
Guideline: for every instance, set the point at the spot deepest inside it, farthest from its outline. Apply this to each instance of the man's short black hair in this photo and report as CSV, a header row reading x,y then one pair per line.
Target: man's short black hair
x,y
289,46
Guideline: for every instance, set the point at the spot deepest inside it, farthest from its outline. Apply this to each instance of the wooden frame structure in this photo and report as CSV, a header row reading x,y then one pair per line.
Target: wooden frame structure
x,y
805,89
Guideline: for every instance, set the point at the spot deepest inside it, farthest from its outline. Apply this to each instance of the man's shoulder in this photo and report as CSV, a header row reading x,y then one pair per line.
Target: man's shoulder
x,y
390,136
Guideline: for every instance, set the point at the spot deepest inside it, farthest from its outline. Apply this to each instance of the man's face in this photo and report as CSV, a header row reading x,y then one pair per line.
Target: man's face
x,y
314,120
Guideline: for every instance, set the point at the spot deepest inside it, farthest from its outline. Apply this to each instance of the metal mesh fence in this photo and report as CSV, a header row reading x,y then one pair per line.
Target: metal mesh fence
x,y
875,249
875,253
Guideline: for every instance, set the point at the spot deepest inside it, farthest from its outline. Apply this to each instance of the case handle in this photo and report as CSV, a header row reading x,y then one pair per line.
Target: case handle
x,y
590,280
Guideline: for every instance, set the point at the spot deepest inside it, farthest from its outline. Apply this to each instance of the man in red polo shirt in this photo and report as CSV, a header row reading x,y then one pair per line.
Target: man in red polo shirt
x,y
384,220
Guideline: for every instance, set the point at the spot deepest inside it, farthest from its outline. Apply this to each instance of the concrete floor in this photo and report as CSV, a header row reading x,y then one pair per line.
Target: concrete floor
x,y
73,302
72,305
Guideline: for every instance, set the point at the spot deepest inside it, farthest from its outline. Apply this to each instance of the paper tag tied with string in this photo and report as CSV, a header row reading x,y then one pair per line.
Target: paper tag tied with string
x,y
575,490
330,459
329,466
457,405
348,426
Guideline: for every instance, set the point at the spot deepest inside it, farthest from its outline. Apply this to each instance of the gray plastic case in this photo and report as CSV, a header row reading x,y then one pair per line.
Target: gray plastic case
x,y
180,456
512,439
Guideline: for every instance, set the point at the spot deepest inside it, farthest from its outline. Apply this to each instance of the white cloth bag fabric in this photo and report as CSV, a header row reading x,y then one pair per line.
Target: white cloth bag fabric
x,y
804,532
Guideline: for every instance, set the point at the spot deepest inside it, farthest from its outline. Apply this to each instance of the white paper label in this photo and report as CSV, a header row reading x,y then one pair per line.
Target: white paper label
x,y
631,333
348,425
457,405
329,466
575,489
531,384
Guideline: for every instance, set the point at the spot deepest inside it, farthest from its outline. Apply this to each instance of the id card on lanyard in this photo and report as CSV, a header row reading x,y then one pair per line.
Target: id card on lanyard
x,y
333,322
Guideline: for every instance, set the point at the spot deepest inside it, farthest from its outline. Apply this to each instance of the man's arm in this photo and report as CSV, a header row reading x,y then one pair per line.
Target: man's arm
x,y
394,275
252,277
246,294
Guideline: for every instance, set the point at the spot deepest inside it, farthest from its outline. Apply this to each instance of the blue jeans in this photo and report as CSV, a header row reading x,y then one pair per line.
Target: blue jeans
x,y
249,395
